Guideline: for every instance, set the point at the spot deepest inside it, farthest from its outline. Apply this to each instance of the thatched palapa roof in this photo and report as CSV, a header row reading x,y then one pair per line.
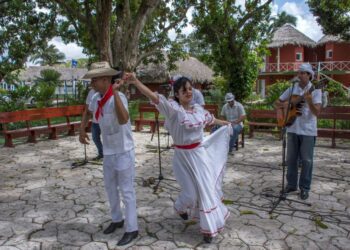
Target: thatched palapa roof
x,y
151,73
289,35
329,38
67,74
190,67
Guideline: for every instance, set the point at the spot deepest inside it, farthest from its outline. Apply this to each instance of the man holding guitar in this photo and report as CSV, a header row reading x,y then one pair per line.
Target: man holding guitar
x,y
305,106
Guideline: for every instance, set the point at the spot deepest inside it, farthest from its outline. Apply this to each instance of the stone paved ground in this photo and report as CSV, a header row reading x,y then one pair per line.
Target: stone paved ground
x,y
44,204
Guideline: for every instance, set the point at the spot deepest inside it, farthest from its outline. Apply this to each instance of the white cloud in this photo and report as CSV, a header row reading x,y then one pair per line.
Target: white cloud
x,y
306,22
274,9
71,50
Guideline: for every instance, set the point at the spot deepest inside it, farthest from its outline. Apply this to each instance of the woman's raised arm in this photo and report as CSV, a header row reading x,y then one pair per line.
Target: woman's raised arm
x,y
131,78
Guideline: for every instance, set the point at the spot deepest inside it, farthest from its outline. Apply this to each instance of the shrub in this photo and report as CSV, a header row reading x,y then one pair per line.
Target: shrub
x,y
275,90
15,99
45,86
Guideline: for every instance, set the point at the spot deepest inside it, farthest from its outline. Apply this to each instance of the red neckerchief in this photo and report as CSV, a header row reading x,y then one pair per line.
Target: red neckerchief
x,y
102,102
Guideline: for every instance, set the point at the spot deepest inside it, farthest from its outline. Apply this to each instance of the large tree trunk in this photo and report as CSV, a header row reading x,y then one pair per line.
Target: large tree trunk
x,y
126,38
104,11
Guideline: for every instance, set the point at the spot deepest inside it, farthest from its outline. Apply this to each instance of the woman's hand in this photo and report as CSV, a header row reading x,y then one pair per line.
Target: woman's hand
x,y
221,122
130,78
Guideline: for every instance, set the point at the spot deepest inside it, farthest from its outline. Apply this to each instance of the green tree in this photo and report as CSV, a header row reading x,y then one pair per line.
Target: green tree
x,y
48,56
237,38
283,18
333,16
196,47
123,32
45,86
23,29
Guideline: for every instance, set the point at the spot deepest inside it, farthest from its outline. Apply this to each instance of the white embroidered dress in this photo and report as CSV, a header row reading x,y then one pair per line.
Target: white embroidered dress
x,y
199,170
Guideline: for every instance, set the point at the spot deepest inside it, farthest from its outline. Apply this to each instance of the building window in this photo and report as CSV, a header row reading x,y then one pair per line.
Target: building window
x,y
299,56
329,54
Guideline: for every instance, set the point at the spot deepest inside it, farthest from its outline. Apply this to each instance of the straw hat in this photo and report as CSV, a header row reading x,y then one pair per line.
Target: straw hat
x,y
306,67
229,97
100,69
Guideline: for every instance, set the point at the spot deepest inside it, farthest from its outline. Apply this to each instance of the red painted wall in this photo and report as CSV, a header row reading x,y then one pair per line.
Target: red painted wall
x,y
329,46
341,52
320,53
273,57
287,53
310,55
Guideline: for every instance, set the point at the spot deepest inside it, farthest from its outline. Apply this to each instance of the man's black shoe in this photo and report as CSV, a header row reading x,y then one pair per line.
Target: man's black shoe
x,y
113,226
127,238
304,194
207,239
184,216
289,190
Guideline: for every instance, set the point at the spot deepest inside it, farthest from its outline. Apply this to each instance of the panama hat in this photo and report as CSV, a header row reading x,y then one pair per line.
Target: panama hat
x,y
229,97
99,69
306,67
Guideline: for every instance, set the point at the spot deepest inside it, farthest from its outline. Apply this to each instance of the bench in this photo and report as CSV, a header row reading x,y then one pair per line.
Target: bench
x,y
263,121
43,114
141,120
335,114
213,109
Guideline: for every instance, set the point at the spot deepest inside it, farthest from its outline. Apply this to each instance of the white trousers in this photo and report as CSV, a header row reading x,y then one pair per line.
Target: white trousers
x,y
123,180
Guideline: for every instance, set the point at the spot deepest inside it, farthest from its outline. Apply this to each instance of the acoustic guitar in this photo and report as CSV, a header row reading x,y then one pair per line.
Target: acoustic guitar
x,y
296,104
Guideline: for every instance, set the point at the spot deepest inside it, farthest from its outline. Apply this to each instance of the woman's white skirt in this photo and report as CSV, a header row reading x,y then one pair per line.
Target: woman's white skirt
x,y
199,172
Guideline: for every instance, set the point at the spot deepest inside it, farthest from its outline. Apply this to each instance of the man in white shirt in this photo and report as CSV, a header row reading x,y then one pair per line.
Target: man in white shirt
x,y
233,112
302,133
110,108
197,97
95,128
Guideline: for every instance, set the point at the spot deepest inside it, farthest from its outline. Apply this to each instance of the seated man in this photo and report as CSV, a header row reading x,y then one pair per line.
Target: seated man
x,y
233,112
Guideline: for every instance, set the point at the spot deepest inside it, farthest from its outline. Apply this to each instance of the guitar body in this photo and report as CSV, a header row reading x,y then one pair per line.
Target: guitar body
x,y
297,103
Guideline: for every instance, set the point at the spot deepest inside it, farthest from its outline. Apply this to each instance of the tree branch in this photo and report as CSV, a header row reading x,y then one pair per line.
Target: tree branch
x,y
153,47
72,11
146,9
251,14
145,55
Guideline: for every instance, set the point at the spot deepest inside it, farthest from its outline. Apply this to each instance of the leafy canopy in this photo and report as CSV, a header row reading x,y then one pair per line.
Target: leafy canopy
x,y
333,16
23,30
125,33
237,37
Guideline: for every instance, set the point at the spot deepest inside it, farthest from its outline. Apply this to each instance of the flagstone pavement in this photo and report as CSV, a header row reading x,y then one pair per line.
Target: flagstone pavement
x,y
44,204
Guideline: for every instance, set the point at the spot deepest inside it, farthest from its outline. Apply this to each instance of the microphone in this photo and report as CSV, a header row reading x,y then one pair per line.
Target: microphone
x,y
294,80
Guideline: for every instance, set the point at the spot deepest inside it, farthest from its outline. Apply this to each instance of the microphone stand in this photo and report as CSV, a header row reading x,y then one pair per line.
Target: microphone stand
x,y
283,195
156,188
84,161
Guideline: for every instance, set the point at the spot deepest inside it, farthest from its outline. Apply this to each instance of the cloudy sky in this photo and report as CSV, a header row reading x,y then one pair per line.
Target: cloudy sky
x,y
306,23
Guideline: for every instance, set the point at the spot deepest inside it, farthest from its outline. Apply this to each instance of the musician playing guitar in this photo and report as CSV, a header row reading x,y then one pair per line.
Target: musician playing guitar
x,y
302,131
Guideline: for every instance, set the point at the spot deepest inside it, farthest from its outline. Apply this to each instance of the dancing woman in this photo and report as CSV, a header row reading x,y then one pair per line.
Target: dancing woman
x,y
199,161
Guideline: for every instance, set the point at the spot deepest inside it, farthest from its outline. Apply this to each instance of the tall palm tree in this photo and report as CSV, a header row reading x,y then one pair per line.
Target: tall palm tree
x,y
48,56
